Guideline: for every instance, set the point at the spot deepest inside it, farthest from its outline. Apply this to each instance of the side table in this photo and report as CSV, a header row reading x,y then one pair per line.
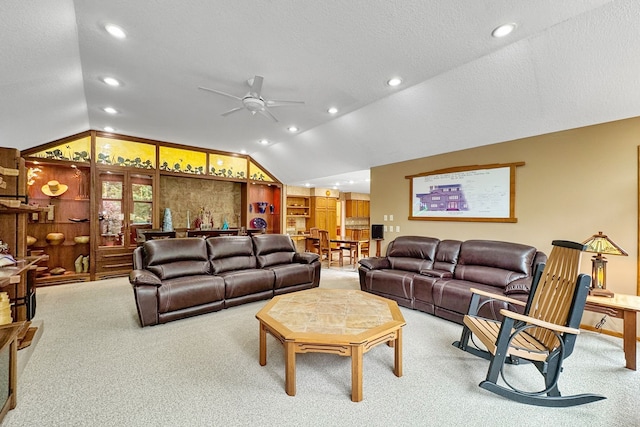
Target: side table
x,y
624,307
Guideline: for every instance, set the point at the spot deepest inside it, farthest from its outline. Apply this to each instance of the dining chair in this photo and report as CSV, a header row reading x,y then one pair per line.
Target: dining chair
x,y
326,248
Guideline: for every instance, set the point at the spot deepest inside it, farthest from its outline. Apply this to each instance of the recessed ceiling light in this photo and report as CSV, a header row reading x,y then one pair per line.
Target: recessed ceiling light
x,y
264,141
503,30
395,81
243,151
109,129
332,110
307,185
111,81
115,31
110,110
292,129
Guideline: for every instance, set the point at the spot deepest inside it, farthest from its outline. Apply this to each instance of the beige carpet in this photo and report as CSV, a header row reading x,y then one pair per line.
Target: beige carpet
x,y
95,366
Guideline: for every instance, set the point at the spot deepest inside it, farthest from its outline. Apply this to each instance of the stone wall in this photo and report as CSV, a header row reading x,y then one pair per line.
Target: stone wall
x,y
221,198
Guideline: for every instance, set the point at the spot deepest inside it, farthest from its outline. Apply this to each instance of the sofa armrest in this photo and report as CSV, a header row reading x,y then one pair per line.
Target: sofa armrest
x,y
436,273
375,263
305,257
144,277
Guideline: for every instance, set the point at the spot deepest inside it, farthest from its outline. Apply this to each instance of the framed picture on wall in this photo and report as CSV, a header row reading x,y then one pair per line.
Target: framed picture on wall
x,y
466,193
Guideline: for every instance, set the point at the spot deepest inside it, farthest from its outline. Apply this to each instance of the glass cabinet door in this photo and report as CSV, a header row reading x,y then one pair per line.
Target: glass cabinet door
x,y
112,209
141,215
126,205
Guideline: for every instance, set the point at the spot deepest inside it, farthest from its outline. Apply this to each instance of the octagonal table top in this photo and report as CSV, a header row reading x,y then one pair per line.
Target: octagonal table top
x,y
331,315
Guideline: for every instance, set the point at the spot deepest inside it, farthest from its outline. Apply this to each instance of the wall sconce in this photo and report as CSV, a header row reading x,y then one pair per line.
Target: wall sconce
x,y
600,244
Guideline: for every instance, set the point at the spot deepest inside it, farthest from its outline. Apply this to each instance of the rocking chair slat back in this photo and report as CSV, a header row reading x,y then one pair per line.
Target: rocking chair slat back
x,y
554,294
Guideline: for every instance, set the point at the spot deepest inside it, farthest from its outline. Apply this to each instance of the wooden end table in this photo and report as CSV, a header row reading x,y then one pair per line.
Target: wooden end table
x,y
624,307
336,321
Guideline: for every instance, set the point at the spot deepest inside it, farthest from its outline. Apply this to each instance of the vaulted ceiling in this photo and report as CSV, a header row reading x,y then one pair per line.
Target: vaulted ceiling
x,y
568,64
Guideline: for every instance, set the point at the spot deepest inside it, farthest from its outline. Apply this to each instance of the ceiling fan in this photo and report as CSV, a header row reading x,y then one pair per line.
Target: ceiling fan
x,y
253,100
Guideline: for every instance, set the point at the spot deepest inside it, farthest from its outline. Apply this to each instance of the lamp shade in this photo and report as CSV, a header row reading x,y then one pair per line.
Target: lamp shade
x,y
601,244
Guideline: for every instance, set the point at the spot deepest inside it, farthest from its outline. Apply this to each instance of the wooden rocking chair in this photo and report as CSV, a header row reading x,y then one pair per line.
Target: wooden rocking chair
x,y
545,335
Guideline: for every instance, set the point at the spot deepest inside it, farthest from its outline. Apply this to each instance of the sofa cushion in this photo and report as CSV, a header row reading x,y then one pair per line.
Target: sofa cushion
x,y
189,291
230,253
169,258
292,274
412,253
246,282
391,282
447,255
494,263
273,249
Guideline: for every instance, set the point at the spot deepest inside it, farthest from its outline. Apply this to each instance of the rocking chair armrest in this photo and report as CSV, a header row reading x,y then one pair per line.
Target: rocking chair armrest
x,y
540,323
498,297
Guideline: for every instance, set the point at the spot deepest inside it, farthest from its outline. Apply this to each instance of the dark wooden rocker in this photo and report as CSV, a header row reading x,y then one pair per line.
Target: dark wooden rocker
x,y
545,335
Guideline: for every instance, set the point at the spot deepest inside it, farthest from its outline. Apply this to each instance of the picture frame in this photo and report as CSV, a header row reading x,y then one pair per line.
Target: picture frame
x,y
477,193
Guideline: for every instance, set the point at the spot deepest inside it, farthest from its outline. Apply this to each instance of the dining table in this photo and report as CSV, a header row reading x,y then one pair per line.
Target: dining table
x,y
356,244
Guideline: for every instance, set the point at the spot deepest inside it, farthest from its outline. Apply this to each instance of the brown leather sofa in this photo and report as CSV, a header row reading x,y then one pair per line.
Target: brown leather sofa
x,y
435,276
177,278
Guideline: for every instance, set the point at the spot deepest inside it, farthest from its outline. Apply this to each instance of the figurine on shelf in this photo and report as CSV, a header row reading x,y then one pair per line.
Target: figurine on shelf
x,y
225,224
206,220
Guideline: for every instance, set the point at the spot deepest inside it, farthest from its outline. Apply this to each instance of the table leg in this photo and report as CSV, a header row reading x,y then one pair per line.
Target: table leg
x,y
397,368
356,373
290,368
629,338
263,345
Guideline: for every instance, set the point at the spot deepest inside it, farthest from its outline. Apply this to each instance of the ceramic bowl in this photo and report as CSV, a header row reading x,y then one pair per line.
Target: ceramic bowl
x,y
55,238
31,240
81,239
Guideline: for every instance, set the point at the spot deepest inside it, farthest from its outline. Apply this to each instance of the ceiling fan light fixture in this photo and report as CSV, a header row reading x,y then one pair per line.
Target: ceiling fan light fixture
x,y
332,110
109,129
110,110
115,31
394,81
503,30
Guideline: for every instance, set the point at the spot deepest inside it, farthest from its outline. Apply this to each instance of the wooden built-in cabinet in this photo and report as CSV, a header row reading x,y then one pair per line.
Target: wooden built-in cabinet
x,y
263,208
17,280
124,204
357,208
323,214
114,190
65,212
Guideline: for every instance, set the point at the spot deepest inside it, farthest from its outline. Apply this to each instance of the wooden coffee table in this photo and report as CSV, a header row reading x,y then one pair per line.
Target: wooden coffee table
x,y
336,321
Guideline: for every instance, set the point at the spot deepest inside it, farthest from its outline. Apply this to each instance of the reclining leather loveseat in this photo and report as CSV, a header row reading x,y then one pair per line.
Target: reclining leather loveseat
x,y
177,278
435,276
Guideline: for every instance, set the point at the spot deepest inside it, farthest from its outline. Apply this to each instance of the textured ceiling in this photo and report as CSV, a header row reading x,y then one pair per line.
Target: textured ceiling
x,y
569,63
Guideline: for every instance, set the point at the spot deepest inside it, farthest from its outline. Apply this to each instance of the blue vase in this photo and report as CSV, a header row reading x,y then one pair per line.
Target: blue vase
x,y
167,222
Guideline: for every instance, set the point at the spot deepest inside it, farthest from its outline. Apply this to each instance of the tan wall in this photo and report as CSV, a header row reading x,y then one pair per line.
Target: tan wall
x,y
574,184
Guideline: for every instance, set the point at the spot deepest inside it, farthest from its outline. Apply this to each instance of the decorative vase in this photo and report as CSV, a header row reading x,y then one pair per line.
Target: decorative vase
x,y
262,207
55,238
272,208
167,223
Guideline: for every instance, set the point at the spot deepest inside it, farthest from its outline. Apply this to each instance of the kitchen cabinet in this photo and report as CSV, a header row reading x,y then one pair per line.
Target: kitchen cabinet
x,y
324,214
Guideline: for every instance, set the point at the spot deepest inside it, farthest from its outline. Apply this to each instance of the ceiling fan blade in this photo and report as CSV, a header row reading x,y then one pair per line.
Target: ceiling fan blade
x,y
256,87
220,93
281,103
233,110
268,114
